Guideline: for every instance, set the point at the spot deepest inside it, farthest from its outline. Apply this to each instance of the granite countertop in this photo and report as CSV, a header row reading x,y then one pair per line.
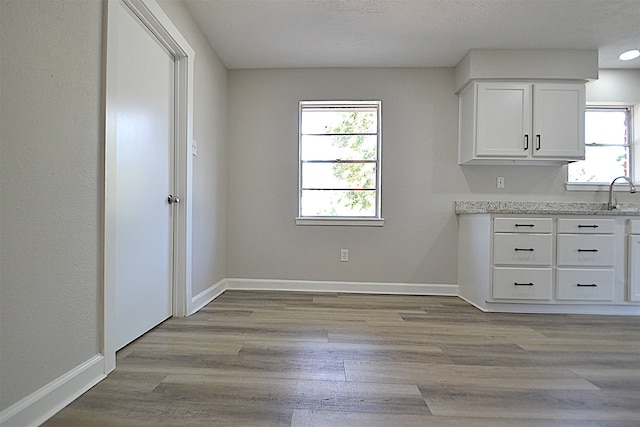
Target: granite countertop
x,y
549,208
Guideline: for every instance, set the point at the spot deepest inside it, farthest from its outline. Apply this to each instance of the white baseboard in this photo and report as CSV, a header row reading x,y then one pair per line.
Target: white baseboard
x,y
578,308
206,296
211,293
346,287
41,405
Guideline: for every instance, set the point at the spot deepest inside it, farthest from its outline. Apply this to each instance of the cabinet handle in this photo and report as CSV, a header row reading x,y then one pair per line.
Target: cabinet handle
x,y
526,142
524,249
537,142
587,285
525,225
587,250
587,226
523,284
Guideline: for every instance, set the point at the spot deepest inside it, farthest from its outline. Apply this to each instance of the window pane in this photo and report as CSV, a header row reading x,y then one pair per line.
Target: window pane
x,y
339,151
343,147
315,121
338,203
601,164
606,127
339,175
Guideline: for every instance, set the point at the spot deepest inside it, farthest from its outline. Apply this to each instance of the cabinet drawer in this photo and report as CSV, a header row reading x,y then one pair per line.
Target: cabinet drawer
x,y
522,249
585,285
585,250
522,283
522,225
586,226
633,226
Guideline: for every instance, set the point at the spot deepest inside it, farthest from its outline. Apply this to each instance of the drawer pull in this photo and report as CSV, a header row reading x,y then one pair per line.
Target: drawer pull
x,y
588,226
587,250
525,225
587,285
523,284
524,249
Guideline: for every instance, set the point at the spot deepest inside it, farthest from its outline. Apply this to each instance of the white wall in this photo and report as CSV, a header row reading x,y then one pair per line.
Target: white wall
x,y
51,184
51,134
421,179
620,86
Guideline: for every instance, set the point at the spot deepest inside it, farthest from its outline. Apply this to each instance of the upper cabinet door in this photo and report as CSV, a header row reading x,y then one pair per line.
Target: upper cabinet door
x,y
558,120
503,120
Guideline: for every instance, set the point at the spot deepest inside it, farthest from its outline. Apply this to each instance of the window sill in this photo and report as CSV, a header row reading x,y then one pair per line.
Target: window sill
x,y
576,186
354,222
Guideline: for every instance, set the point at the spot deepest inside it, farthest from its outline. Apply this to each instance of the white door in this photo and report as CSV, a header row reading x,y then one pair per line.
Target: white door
x,y
144,179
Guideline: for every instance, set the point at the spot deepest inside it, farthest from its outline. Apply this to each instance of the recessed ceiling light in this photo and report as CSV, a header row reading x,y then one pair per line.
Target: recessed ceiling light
x,y
629,55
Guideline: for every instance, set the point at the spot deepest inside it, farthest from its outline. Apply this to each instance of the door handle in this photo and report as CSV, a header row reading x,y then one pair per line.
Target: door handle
x,y
173,199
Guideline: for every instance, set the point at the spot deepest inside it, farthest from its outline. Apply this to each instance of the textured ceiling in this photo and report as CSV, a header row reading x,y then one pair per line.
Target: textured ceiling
x,y
409,33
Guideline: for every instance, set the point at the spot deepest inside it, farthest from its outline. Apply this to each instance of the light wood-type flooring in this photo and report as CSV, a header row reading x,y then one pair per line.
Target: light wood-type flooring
x,y
261,358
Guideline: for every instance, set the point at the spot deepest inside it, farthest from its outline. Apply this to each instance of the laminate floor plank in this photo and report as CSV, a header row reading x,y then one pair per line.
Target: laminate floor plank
x,y
252,367
400,338
590,343
267,358
424,374
344,352
517,403
621,380
492,355
295,394
303,418
327,314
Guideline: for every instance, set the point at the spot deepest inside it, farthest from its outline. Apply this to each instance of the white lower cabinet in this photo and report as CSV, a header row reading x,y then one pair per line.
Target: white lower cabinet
x,y
522,259
522,249
634,260
585,250
585,259
550,263
584,285
522,283
572,262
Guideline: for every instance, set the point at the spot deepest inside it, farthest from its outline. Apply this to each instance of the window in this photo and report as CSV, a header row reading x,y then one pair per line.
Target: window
x,y
339,170
608,147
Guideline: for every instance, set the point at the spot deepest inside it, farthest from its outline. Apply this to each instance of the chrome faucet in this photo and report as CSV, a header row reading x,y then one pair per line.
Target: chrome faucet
x,y
632,189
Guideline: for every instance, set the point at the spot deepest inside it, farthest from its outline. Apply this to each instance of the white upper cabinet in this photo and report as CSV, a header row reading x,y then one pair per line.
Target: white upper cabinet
x,y
519,122
558,120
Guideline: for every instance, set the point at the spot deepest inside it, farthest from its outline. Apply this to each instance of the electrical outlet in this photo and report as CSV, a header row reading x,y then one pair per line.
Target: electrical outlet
x,y
500,182
344,255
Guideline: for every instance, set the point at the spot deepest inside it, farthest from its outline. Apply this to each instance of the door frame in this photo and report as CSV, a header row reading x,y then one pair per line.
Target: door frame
x,y
156,21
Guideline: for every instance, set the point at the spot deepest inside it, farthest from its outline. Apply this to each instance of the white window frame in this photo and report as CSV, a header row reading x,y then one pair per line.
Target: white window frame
x,y
634,151
373,221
